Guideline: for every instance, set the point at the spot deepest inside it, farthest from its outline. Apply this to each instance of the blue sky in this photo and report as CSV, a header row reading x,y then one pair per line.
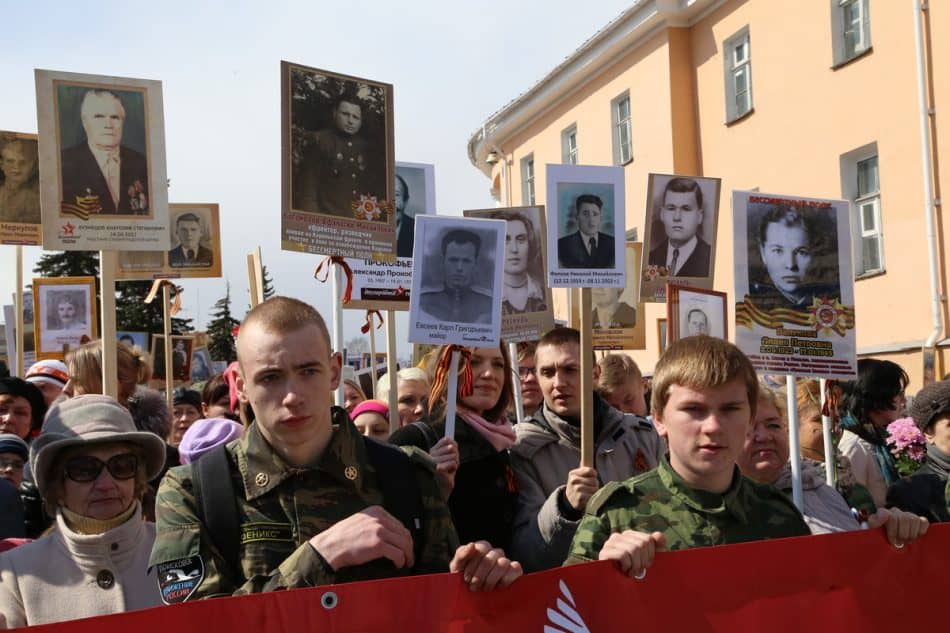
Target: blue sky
x,y
452,64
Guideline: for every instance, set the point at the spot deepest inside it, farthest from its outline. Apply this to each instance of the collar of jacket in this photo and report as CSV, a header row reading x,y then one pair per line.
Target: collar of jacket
x,y
569,430
263,469
89,550
731,501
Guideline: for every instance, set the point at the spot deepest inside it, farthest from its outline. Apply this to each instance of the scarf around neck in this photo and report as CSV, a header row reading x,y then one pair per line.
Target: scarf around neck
x,y
499,434
938,459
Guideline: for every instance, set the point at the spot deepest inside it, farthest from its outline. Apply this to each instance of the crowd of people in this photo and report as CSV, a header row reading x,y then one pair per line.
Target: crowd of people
x,y
258,483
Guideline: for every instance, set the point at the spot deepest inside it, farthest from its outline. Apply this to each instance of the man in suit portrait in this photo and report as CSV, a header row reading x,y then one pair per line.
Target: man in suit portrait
x,y
683,252
405,223
458,302
697,323
609,311
587,247
100,175
189,252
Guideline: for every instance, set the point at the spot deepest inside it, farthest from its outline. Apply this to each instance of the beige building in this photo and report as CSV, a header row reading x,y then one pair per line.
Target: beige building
x,y
821,98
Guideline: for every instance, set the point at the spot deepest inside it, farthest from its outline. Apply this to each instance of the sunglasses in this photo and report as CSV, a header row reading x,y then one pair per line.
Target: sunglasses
x,y
85,468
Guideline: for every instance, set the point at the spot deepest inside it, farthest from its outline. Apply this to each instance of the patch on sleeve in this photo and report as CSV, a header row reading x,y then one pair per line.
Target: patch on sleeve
x,y
178,579
266,531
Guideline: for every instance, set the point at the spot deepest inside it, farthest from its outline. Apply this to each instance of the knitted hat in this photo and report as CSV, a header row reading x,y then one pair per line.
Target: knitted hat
x,y
206,434
371,406
52,371
930,402
187,396
90,420
10,443
14,386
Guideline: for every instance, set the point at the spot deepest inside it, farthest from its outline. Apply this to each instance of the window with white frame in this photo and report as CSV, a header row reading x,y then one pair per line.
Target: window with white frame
x,y
868,208
569,146
527,179
622,130
738,67
861,183
852,31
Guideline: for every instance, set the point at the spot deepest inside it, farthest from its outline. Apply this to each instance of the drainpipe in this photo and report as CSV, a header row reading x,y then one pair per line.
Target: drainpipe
x,y
930,209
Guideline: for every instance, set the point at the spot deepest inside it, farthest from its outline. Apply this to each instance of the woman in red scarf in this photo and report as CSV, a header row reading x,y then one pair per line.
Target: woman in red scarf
x,y
483,499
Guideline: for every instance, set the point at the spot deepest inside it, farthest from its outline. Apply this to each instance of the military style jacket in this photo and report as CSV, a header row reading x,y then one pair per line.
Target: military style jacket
x,y
279,509
660,501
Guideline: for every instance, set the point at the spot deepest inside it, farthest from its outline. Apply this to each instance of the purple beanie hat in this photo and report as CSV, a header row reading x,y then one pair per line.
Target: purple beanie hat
x,y
204,435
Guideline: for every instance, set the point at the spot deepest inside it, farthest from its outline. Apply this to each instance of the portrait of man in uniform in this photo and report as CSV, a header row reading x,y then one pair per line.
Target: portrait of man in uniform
x,y
458,301
190,251
682,250
182,347
588,246
100,173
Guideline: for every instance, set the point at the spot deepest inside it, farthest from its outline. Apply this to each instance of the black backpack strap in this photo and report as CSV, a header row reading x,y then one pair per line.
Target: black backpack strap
x,y
427,432
216,505
402,497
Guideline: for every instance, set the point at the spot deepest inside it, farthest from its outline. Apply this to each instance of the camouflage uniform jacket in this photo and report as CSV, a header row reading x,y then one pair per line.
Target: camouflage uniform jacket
x,y
660,501
280,508
547,449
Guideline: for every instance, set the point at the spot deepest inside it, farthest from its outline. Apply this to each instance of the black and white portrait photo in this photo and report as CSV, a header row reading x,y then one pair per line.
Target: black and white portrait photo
x,y
680,230
64,313
696,312
457,280
585,226
182,348
414,194
190,236
19,185
615,311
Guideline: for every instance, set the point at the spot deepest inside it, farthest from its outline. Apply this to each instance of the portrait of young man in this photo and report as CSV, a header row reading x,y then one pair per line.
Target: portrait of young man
x,y
100,172
187,231
588,246
681,212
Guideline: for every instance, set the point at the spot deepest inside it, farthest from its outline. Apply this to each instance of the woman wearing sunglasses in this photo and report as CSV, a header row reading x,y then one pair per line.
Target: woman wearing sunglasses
x,y
91,466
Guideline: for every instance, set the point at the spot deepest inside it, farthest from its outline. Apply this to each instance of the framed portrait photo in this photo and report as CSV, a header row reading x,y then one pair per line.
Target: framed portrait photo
x,y
64,314
103,182
201,367
133,339
195,238
794,279
20,221
337,164
617,319
526,304
679,235
457,285
585,224
694,311
182,350
385,285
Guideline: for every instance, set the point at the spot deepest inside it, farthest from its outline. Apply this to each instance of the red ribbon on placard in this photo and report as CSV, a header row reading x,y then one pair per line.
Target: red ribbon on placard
x,y
339,261
441,375
369,321
821,583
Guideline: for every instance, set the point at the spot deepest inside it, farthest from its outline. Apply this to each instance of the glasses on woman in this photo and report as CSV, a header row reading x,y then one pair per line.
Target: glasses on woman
x,y
86,468
11,464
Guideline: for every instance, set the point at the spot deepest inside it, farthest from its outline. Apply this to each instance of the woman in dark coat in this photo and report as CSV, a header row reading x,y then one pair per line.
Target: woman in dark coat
x,y
482,501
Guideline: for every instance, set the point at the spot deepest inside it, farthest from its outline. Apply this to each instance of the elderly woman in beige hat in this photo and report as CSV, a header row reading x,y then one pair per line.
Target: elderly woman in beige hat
x,y
91,466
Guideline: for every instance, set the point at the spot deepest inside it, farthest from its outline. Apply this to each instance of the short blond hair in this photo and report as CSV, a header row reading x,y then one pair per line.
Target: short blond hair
x,y
85,368
615,371
283,315
702,362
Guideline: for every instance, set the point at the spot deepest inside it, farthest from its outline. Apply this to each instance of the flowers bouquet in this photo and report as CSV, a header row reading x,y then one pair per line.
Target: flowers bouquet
x,y
907,445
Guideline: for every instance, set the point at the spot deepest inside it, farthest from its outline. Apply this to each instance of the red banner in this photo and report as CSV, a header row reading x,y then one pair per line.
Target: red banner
x,y
841,582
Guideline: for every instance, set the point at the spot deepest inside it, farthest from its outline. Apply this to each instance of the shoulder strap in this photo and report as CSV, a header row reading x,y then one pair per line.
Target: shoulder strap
x,y
595,503
401,494
216,506
427,432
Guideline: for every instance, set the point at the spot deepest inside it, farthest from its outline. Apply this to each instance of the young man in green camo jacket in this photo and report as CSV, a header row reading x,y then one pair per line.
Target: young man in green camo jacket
x,y
309,504
704,396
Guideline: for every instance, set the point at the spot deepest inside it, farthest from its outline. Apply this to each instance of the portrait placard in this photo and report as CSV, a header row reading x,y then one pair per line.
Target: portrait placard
x,y
694,311
64,313
586,226
19,189
526,304
794,284
201,367
336,164
615,319
103,183
679,235
182,349
195,237
133,339
380,285
456,291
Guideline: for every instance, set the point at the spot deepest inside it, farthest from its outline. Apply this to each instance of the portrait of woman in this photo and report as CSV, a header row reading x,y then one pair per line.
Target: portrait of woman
x,y
19,181
523,290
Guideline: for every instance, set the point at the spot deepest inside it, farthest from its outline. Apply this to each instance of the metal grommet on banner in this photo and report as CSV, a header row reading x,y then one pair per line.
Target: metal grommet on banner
x,y
641,575
329,600
899,546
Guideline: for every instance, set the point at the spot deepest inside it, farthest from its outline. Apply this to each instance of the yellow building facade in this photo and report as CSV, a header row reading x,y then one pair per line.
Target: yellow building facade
x,y
821,98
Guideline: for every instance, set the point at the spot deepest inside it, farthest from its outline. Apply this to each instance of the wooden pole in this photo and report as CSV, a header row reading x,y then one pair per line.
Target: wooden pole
x,y
587,380
452,395
372,348
167,331
258,274
391,369
252,281
794,444
20,370
110,368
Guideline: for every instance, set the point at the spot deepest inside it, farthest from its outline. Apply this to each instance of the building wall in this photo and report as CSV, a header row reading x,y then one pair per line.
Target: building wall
x,y
806,115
